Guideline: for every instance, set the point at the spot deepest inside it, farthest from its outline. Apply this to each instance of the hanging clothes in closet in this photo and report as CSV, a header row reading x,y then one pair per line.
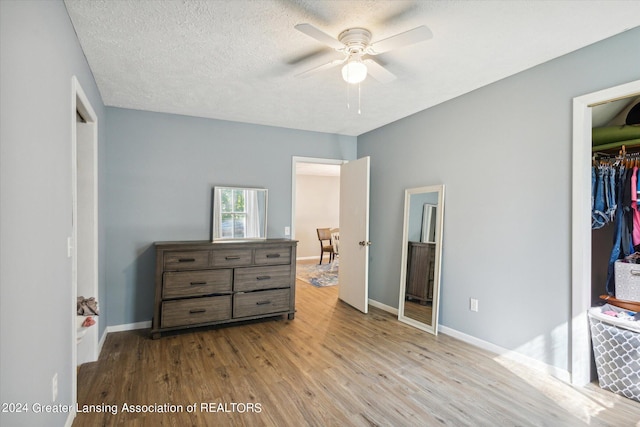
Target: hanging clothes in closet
x,y
614,199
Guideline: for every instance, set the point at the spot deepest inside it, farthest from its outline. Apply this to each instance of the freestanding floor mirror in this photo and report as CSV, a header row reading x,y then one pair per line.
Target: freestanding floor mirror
x,y
421,257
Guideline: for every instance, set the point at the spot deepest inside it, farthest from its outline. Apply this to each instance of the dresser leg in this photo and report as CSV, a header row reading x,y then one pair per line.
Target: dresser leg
x,y
290,316
156,335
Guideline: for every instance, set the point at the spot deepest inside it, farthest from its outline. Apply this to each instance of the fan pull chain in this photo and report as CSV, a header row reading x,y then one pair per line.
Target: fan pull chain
x,y
359,98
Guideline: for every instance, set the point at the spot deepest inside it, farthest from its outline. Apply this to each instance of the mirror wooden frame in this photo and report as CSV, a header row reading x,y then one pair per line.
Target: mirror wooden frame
x,y
439,189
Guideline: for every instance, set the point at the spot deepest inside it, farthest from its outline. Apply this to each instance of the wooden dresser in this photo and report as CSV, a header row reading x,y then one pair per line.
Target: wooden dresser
x,y
420,271
199,283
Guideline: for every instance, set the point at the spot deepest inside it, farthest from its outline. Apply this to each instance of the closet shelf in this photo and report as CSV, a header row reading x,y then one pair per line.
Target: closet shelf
x,y
625,304
616,145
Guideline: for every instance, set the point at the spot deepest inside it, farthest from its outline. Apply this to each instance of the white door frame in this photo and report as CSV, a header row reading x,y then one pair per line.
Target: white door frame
x,y
581,225
294,161
89,157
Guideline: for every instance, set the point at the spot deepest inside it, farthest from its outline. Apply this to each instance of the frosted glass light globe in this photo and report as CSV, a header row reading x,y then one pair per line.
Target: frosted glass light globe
x,y
354,72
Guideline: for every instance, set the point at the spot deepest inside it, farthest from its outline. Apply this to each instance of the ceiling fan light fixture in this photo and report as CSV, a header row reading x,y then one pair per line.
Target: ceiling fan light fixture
x,y
354,71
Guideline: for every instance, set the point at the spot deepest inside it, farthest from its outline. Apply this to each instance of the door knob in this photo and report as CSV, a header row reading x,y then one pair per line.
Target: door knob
x,y
364,243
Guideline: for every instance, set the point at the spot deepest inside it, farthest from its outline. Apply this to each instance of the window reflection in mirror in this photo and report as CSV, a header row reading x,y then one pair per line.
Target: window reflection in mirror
x,y
239,213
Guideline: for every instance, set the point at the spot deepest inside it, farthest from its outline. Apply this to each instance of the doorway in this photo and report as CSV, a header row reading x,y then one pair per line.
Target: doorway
x,y
354,220
83,244
581,359
315,202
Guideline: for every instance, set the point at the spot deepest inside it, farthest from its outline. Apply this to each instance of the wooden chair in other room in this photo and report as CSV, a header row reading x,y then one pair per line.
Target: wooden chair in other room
x,y
324,236
335,241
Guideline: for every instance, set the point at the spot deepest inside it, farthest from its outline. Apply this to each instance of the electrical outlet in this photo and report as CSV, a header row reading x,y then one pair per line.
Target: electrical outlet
x,y
287,231
54,387
473,304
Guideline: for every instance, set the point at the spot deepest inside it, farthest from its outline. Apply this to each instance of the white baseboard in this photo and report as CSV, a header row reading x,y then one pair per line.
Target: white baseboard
x,y
510,355
302,258
129,326
384,307
101,342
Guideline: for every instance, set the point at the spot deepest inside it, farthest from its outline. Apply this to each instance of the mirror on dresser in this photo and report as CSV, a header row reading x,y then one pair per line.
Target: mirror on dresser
x,y
239,213
421,257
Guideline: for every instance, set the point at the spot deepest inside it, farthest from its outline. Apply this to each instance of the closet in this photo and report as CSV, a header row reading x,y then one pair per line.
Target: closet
x,y
615,246
616,150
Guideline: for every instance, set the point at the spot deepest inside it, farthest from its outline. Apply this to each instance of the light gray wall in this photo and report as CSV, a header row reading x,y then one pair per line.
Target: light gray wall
x,y
39,53
161,170
504,154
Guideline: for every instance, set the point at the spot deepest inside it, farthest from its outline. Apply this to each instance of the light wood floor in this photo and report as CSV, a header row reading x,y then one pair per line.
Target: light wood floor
x,y
331,366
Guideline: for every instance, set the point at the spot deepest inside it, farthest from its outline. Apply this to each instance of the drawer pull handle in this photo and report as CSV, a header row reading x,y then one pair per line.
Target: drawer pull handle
x,y
273,255
198,283
195,311
635,272
263,302
186,260
229,258
263,277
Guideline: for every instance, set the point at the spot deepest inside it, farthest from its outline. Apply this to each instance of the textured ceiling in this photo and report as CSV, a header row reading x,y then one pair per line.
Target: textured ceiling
x,y
236,60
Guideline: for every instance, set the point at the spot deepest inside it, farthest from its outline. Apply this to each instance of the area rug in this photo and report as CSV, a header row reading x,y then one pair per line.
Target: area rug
x,y
318,275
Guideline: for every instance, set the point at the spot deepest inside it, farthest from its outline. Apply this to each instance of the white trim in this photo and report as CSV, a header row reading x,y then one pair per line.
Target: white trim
x,y
101,342
70,417
384,307
128,327
303,258
510,355
80,102
580,351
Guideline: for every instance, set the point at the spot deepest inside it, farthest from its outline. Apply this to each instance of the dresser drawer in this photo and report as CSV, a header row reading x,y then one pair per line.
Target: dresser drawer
x,y
187,260
276,255
195,283
261,302
195,310
256,278
231,257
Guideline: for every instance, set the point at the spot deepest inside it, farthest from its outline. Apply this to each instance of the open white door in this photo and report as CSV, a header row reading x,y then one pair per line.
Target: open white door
x,y
353,275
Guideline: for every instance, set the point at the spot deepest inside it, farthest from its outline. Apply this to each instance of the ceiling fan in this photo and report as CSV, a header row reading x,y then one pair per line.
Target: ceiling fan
x,y
355,44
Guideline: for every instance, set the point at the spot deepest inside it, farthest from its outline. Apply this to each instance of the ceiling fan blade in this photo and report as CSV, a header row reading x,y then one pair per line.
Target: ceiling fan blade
x,y
311,55
321,68
416,35
319,35
378,72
